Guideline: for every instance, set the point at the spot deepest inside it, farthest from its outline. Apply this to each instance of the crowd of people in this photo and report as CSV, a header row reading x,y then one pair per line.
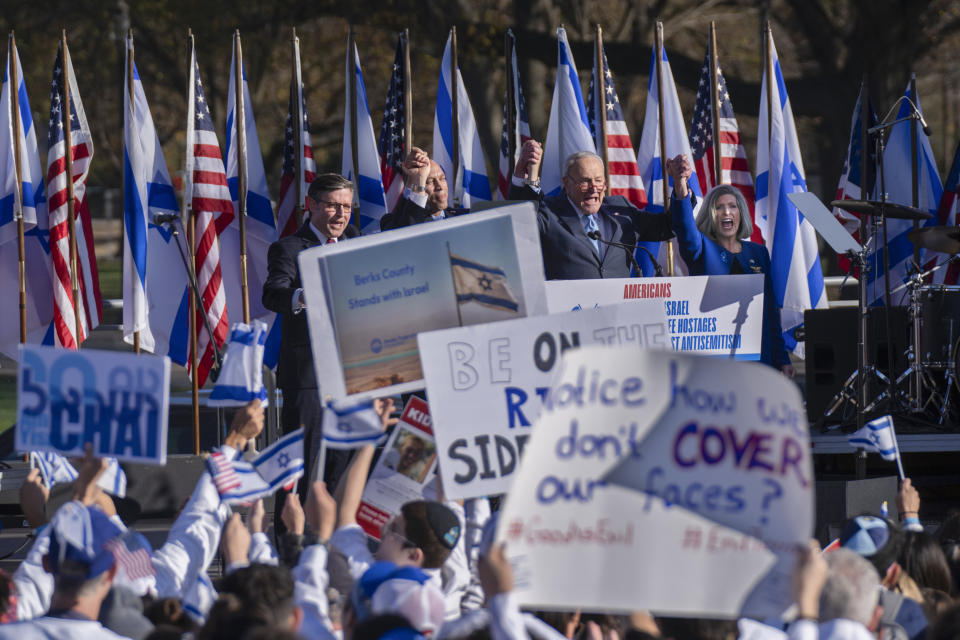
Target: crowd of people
x,y
435,571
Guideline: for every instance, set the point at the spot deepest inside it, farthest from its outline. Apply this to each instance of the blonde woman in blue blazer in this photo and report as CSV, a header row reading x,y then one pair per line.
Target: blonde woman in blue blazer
x,y
716,244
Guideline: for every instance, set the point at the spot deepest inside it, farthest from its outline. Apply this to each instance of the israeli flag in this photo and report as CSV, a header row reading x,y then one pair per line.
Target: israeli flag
x,y
568,129
369,182
898,172
278,465
877,436
260,223
56,469
241,376
473,184
351,425
29,199
155,293
791,239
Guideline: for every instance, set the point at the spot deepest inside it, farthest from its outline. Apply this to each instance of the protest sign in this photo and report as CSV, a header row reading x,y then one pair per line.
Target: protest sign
x,y
405,471
116,401
486,383
695,473
367,299
709,315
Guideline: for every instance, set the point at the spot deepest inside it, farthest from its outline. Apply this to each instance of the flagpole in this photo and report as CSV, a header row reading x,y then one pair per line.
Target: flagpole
x,y
71,197
914,168
136,334
407,93
896,446
663,136
455,120
352,110
599,83
191,236
12,58
862,355
768,71
715,104
240,122
511,99
297,89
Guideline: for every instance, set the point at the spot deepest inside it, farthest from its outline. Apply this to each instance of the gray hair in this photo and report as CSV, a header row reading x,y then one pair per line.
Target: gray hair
x,y
706,222
574,157
326,183
852,589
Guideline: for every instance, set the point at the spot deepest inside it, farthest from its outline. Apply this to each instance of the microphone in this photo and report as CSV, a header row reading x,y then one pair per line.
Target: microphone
x,y
165,218
923,123
595,235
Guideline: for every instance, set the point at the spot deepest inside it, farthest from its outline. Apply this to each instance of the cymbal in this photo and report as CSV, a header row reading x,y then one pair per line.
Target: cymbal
x,y
890,209
942,239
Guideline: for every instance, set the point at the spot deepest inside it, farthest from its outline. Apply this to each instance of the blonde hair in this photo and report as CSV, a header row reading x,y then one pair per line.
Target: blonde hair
x,y
706,222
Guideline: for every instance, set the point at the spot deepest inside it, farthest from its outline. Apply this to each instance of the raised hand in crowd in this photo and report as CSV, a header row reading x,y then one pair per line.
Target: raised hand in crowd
x,y
246,425
384,408
321,511
810,574
680,170
236,541
33,499
528,164
292,516
908,501
257,519
85,487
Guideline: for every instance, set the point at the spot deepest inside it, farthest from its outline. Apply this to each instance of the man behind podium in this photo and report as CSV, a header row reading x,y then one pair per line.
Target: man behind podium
x,y
329,201
567,220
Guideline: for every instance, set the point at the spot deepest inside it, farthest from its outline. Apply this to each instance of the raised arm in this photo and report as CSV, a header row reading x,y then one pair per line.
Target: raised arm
x,y
689,237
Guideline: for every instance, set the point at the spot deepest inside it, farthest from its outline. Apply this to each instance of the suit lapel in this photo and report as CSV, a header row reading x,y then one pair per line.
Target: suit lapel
x,y
612,229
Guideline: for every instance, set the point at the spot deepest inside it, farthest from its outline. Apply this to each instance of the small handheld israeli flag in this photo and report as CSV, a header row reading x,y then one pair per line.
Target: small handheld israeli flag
x,y
242,482
56,469
351,425
241,378
878,436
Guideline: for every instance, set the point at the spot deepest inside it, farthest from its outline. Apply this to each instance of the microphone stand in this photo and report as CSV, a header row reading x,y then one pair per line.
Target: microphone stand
x,y
192,283
595,235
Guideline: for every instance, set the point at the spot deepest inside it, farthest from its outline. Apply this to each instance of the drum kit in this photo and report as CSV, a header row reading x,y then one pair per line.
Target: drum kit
x,y
928,390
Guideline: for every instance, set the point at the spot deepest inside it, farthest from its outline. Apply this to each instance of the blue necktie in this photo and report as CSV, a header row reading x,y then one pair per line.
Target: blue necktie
x,y
589,226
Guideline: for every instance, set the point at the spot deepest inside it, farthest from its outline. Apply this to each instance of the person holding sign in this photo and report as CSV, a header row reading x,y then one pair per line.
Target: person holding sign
x,y
583,233
716,244
425,194
330,201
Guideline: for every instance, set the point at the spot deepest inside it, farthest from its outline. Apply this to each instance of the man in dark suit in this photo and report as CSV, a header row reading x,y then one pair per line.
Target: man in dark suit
x,y
566,220
329,201
425,194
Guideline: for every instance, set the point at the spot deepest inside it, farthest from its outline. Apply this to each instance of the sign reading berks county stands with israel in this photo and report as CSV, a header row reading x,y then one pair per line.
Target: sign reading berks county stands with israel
x,y
116,401
687,492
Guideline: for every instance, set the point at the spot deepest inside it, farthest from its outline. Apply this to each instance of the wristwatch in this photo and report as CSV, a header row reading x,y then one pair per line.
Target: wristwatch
x,y
416,188
532,183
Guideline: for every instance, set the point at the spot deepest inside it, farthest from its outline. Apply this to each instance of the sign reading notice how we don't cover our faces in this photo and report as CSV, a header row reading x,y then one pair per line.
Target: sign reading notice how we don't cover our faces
x,y
488,383
116,401
697,474
369,297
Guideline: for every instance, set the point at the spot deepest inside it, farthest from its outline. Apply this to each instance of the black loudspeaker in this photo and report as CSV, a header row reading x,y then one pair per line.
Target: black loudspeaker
x,y
831,351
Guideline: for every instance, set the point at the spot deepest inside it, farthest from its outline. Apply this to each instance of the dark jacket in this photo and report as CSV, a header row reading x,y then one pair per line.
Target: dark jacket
x,y
295,367
568,254
408,213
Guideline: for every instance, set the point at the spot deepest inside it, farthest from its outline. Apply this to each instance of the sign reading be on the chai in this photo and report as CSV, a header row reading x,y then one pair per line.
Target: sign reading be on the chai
x,y
116,401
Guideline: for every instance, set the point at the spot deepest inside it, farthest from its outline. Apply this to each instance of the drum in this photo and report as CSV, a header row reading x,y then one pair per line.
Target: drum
x,y
939,324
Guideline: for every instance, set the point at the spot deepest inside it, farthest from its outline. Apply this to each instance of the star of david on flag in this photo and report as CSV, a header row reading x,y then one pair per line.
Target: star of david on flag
x,y
482,284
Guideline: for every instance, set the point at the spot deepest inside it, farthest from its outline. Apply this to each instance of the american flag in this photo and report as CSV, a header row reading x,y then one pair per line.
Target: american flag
x,y
224,476
212,212
90,305
295,129
734,169
132,554
850,186
391,144
521,130
625,177
948,213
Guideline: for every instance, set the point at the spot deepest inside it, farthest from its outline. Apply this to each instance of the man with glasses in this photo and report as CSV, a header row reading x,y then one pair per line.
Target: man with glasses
x,y
329,201
577,224
425,194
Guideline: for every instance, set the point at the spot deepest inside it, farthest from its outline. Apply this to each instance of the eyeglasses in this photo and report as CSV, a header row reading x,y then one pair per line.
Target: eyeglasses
x,y
336,206
586,183
391,527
